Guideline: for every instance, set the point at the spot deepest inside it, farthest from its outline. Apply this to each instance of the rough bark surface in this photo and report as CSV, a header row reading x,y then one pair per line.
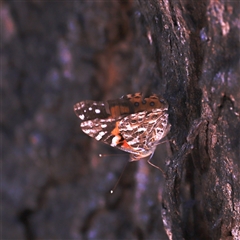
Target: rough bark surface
x,y
54,54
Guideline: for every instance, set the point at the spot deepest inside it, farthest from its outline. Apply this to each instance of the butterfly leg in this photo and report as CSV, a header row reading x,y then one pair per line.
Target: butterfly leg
x,y
153,165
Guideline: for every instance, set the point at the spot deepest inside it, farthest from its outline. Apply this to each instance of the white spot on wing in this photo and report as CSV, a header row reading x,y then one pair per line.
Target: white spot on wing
x,y
97,111
107,120
87,131
104,125
115,140
81,116
90,109
100,135
141,129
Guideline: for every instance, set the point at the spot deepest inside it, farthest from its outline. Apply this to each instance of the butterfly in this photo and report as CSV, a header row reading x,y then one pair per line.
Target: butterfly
x,y
132,123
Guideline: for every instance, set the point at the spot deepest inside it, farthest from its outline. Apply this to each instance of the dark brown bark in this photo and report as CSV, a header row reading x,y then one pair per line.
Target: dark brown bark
x,y
54,185
198,44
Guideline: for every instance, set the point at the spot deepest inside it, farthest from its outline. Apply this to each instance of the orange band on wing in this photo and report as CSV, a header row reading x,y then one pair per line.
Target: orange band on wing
x,y
125,144
117,111
115,131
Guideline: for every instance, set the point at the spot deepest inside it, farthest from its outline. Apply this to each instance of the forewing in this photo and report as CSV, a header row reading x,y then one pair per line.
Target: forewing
x,y
90,110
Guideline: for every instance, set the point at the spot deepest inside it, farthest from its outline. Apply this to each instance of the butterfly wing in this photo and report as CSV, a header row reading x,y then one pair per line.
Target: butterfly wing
x,y
131,123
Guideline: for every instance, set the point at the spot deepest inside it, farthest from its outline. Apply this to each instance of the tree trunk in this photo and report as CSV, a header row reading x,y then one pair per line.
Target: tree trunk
x,y
55,54
197,49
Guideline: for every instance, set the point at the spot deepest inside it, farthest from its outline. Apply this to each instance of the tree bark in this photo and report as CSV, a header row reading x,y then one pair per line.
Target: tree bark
x,y
55,54
197,46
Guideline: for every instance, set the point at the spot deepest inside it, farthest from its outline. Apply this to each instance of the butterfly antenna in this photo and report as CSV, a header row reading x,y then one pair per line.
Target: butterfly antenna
x,y
109,155
112,190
